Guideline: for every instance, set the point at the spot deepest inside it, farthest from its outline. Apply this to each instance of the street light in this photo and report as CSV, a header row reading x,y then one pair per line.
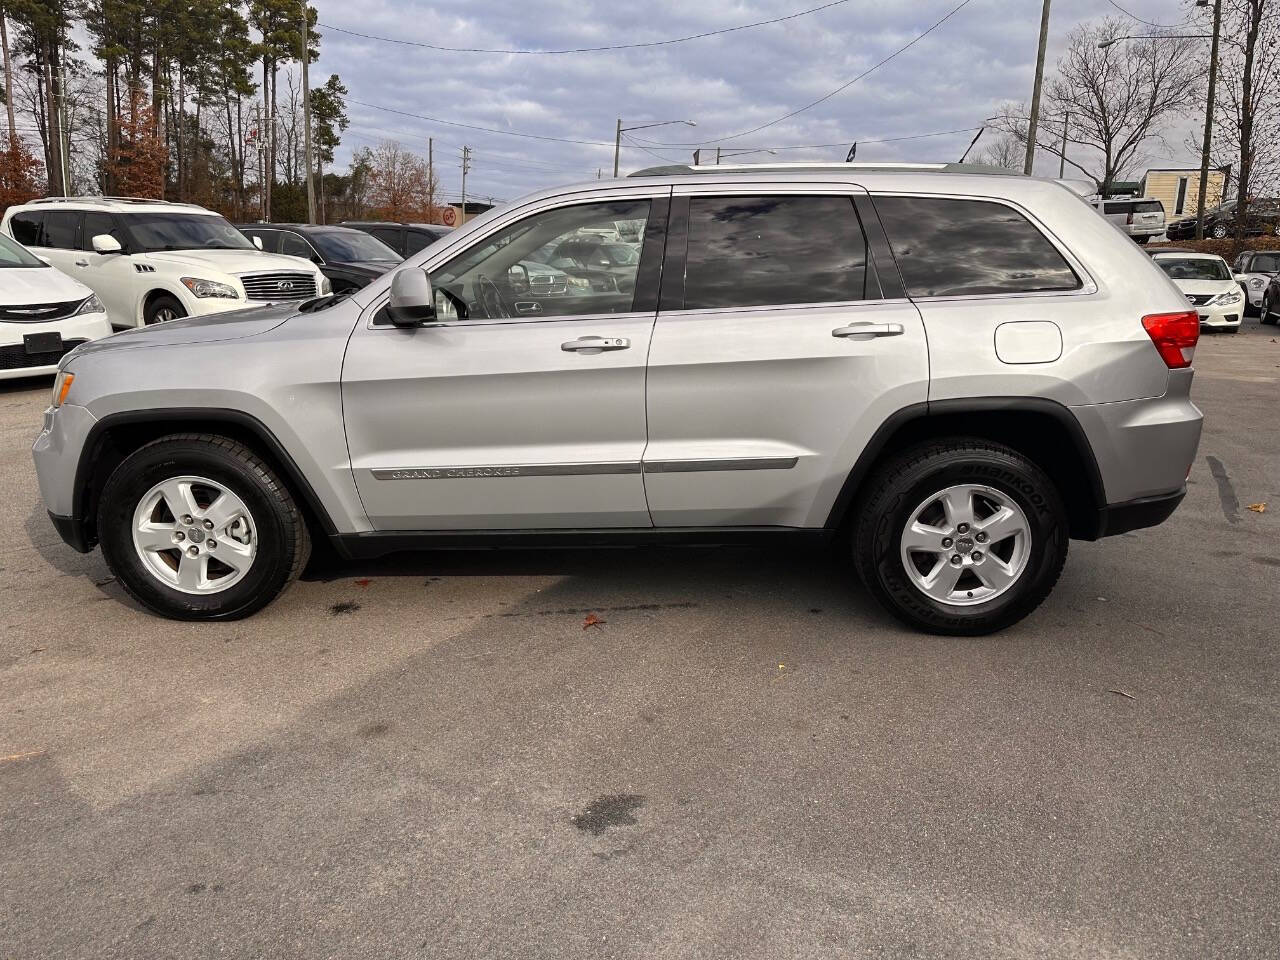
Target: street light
x,y
617,138
1208,109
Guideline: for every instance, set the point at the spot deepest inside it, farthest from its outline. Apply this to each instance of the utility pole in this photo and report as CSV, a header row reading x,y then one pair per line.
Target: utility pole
x,y
1062,154
617,146
717,156
1208,118
1035,92
306,116
697,156
466,166
8,77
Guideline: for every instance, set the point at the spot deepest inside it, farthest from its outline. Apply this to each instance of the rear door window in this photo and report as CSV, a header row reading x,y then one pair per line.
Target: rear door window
x,y
749,251
415,240
28,228
953,248
60,228
391,237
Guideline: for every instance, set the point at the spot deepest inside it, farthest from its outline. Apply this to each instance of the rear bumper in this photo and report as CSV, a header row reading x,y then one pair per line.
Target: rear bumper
x,y
1117,518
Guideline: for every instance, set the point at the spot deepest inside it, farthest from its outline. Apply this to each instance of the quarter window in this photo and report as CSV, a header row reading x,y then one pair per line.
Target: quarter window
x,y
772,250
27,228
949,248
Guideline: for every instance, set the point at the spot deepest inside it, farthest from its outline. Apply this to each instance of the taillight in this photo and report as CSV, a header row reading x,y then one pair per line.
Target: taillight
x,y
1175,336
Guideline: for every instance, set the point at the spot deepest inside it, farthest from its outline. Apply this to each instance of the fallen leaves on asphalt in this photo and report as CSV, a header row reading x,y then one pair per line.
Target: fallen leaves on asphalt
x,y
1258,507
22,756
592,621
1127,696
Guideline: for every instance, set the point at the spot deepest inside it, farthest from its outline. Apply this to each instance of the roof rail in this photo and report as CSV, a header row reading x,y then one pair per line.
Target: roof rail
x,y
677,169
98,199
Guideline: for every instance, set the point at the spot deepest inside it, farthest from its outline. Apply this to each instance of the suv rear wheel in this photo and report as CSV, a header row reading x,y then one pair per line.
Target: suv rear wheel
x,y
962,537
196,527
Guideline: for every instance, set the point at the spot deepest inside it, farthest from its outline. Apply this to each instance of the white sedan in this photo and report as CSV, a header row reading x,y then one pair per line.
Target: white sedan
x,y
44,314
1209,286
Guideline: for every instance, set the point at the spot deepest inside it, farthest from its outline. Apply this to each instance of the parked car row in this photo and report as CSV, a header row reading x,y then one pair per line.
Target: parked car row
x,y
1263,217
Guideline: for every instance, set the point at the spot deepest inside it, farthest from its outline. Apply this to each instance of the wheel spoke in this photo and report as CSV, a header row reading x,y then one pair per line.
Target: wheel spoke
x,y
958,504
1001,525
155,536
179,497
192,571
232,552
922,538
223,510
994,573
942,579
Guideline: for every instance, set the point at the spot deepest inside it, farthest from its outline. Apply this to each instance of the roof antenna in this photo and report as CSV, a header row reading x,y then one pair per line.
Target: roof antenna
x,y
971,143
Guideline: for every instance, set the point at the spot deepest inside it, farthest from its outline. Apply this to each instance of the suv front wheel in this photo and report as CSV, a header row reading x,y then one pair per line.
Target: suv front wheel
x,y
962,537
197,527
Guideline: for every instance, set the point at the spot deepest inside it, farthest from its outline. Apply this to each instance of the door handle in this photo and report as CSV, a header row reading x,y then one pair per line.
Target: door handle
x,y
865,331
596,344
82,263
528,307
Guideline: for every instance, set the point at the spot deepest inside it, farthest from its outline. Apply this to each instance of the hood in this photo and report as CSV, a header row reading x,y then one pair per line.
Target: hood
x,y
372,267
231,325
1206,286
23,286
230,261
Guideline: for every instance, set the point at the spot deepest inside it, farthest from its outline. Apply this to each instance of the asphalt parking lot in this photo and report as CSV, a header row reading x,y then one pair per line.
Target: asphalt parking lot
x,y
433,756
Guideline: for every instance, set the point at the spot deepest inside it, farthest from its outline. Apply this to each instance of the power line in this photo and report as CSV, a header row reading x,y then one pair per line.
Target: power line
x,y
845,143
839,89
616,46
1149,23
472,126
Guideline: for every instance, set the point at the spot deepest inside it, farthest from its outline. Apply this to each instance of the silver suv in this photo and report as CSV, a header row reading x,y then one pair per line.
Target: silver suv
x,y
951,372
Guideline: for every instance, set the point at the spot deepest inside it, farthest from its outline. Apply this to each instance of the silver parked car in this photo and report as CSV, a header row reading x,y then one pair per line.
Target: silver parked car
x,y
1140,218
951,371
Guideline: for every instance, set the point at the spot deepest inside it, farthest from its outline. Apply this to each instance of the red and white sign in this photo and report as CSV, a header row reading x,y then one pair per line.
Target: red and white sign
x,y
449,216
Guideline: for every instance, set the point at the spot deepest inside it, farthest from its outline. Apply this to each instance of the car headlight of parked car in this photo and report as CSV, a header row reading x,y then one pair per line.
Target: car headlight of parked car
x,y
61,387
91,304
210,288
1257,283
326,287
1224,299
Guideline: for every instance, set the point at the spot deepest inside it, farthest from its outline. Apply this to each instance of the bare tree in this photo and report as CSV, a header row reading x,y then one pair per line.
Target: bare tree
x,y
1246,123
1118,97
1007,152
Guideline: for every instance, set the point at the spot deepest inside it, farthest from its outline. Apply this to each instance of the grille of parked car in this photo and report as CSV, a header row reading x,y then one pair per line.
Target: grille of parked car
x,y
545,285
38,312
1200,299
279,286
16,357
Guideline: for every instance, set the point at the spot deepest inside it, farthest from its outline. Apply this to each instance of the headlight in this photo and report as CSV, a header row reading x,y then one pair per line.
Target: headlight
x,y
326,287
1257,283
580,283
91,305
61,386
1223,299
210,288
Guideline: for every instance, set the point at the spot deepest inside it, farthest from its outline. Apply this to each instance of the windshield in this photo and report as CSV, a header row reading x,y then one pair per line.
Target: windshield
x,y
353,245
622,253
1198,268
1265,263
185,231
14,254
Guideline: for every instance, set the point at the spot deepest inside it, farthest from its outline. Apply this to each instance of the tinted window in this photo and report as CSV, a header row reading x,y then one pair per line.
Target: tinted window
x,y
756,251
270,239
60,228
1265,263
346,246
186,231
502,275
391,237
1194,268
27,227
1134,206
294,246
948,248
97,224
415,240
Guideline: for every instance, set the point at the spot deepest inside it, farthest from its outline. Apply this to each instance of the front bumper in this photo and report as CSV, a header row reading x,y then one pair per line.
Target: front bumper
x,y
57,455
74,532
1221,318
74,330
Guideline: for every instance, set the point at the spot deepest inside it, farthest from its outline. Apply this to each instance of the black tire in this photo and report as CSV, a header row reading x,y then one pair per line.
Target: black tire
x,y
162,308
1264,313
283,544
907,480
1141,240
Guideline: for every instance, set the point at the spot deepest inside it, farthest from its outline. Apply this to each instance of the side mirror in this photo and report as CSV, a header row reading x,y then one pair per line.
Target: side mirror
x,y
413,302
257,242
105,243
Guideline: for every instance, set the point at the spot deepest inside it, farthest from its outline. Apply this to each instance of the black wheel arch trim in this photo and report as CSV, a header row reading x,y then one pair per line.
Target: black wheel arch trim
x,y
177,416
923,410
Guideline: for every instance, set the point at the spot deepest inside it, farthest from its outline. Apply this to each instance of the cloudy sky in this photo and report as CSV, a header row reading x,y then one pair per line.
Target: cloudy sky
x,y
983,55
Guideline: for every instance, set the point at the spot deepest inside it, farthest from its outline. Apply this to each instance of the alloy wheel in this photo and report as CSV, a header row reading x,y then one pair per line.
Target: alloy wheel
x,y
194,535
966,544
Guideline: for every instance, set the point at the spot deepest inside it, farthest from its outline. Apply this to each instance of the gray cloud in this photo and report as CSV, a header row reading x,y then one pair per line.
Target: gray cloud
x,y
953,78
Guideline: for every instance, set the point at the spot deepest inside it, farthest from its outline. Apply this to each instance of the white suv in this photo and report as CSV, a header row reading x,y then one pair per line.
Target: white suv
x,y
150,260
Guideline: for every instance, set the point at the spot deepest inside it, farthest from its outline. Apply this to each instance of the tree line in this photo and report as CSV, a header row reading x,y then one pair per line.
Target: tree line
x,y
190,100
